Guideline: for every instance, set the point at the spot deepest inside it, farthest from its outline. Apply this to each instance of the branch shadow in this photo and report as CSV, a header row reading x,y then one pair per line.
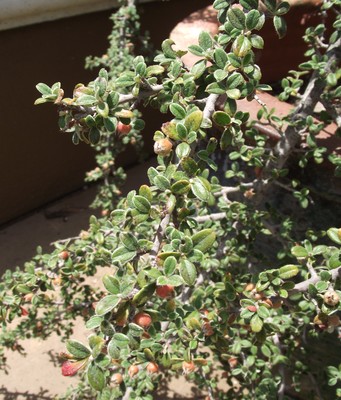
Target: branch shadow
x,y
43,394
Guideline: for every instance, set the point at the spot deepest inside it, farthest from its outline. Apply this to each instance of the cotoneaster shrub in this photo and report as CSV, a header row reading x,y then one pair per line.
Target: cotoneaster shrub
x,y
206,275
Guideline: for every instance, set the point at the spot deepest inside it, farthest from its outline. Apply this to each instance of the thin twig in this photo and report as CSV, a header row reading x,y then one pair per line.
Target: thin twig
x,y
160,232
211,217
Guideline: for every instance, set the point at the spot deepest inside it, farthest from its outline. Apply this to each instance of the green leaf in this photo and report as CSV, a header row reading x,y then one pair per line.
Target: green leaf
x,y
110,124
154,70
196,50
221,118
129,241
193,121
181,131
174,280
233,94
122,255
282,8
241,46
103,109
256,323
77,349
43,89
170,265
86,100
199,189
135,330
266,351
141,204
181,187
280,26
183,150
215,88
177,110
204,240
335,235
270,5
220,75
120,340
95,377
144,295
234,80
205,40
161,182
188,272
189,166
106,304
263,312
288,271
94,136
252,19
249,4
167,48
111,284
236,18
220,57
125,80
299,252
93,322
40,101
198,69
230,291
257,42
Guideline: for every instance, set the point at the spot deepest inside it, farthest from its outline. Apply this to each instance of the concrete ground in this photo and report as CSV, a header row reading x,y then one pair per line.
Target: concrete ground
x,y
37,376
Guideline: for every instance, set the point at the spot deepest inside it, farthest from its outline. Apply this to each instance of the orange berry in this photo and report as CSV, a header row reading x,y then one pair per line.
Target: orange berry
x,y
152,368
163,147
117,378
133,370
143,320
188,367
233,362
249,287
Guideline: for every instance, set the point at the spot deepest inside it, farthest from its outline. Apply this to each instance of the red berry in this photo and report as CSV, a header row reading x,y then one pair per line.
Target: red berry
x,y
123,129
142,319
64,255
24,312
165,291
70,368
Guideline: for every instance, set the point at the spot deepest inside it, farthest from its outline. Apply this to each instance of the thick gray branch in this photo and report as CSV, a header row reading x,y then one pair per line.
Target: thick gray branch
x,y
210,105
303,286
